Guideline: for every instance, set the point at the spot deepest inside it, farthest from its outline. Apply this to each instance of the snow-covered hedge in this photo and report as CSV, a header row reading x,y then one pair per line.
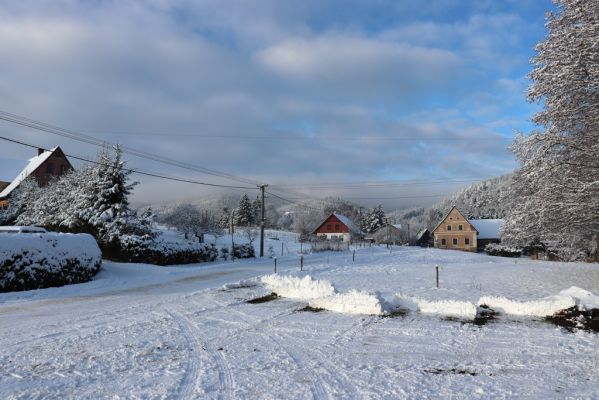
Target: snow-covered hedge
x,y
39,260
494,249
162,250
245,250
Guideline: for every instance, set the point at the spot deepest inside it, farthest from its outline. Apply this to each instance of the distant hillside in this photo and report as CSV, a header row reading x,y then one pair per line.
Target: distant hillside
x,y
491,198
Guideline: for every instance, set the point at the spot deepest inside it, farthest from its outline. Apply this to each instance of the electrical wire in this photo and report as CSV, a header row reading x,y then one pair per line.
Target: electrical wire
x,y
137,171
44,127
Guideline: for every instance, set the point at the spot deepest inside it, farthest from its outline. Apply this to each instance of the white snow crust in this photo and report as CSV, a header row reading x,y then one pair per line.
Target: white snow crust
x,y
293,287
443,308
544,307
352,302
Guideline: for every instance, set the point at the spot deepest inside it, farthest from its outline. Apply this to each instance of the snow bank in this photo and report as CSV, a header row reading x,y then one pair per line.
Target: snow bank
x,y
245,283
352,302
584,299
444,308
544,307
39,260
294,287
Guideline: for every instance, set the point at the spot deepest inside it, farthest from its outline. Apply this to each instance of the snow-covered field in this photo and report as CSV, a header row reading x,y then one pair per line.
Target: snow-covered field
x,y
140,331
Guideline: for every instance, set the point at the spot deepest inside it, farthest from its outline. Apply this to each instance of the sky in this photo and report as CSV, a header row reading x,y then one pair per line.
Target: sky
x,y
425,95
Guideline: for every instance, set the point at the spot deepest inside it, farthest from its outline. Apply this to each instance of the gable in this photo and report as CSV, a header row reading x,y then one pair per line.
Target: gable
x,y
454,218
330,224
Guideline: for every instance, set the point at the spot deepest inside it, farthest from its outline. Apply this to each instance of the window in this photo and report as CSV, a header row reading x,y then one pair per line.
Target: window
x,y
328,227
455,241
337,227
448,227
443,242
467,241
50,168
460,227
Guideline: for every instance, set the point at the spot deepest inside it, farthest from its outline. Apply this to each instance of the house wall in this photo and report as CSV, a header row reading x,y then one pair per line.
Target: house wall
x,y
55,166
333,228
455,219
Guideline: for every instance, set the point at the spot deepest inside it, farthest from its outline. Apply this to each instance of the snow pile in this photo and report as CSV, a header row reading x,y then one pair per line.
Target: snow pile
x,y
544,307
584,299
38,260
294,287
245,283
353,302
444,308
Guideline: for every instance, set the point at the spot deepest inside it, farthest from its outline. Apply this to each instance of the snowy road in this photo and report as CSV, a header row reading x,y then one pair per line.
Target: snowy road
x,y
150,332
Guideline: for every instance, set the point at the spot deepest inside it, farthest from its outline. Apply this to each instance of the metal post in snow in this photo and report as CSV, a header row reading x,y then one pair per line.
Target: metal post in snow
x,y
281,249
437,270
354,256
275,259
301,263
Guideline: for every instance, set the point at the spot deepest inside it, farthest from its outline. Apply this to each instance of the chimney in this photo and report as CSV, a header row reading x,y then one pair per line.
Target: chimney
x,y
40,151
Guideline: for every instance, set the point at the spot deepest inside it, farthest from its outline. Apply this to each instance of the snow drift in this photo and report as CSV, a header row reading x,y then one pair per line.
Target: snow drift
x,y
294,287
544,307
353,302
444,308
40,260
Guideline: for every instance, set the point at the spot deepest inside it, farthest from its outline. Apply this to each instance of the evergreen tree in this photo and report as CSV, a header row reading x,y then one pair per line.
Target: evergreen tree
x,y
244,215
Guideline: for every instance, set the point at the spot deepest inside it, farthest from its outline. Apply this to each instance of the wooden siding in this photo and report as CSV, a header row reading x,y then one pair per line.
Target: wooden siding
x,y
332,225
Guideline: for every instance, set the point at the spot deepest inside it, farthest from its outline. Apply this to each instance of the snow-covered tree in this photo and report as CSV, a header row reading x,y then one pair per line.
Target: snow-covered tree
x,y
244,215
558,178
374,219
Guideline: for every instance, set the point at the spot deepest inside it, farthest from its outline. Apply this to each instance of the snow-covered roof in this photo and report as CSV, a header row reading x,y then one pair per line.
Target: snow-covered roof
x,y
34,164
21,229
345,221
398,226
348,222
487,228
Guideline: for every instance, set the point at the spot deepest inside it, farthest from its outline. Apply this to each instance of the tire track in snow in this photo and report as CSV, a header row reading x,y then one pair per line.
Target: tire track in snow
x,y
188,384
304,362
192,372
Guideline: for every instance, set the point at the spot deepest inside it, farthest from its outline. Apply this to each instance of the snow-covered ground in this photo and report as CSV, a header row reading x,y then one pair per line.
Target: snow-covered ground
x,y
140,331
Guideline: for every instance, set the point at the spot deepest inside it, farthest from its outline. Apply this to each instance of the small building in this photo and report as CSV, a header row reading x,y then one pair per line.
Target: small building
x,y
424,238
47,165
390,233
338,227
455,231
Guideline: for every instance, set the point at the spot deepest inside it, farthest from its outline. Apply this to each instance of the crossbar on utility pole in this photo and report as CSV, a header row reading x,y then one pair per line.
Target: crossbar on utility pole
x,y
262,221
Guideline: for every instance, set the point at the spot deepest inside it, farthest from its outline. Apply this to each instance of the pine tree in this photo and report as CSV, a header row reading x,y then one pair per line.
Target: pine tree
x,y
244,215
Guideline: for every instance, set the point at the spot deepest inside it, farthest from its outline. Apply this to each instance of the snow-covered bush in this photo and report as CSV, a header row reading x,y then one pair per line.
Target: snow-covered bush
x,y
162,251
496,249
245,250
39,260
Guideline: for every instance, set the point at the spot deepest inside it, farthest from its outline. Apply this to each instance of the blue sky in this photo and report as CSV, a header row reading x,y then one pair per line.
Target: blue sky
x,y
277,91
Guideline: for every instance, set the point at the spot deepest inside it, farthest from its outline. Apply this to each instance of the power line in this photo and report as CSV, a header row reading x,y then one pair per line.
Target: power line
x,y
294,203
41,126
137,171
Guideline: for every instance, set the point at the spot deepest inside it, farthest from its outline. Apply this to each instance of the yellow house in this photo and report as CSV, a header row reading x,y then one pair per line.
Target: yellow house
x,y
456,232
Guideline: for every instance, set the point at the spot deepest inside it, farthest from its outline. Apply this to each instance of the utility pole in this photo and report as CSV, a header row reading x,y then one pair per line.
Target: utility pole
x,y
262,221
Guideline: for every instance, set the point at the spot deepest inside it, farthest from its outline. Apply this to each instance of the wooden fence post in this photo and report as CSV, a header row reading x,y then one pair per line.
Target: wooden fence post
x,y
437,269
